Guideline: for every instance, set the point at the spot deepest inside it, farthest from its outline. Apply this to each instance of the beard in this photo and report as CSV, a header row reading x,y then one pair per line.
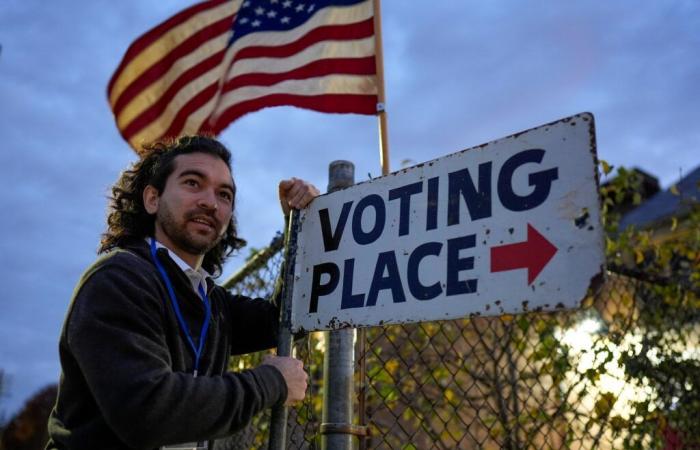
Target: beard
x,y
192,243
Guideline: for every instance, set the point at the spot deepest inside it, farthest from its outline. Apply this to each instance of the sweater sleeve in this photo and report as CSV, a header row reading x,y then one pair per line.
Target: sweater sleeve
x,y
117,336
254,324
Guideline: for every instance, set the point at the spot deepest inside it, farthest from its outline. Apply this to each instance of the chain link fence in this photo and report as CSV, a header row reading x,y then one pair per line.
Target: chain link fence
x,y
621,372
259,278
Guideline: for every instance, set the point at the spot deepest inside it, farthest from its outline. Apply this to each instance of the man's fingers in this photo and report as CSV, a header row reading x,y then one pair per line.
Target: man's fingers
x,y
309,196
286,184
294,375
302,200
296,193
296,197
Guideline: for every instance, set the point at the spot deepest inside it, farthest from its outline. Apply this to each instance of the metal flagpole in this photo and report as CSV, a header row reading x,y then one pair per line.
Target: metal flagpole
x,y
385,163
381,94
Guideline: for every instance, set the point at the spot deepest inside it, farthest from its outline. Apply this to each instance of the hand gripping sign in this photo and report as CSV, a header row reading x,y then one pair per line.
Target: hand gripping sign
x,y
505,227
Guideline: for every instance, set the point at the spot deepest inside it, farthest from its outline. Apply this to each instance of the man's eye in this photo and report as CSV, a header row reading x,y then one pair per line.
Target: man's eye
x,y
191,182
226,196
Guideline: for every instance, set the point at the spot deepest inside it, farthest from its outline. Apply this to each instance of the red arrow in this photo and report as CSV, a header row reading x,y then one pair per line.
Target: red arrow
x,y
533,255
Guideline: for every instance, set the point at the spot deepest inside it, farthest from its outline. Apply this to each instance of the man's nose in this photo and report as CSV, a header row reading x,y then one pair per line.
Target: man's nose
x,y
207,200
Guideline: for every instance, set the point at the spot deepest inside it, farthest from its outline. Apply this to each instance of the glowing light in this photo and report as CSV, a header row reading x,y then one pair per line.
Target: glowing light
x,y
590,350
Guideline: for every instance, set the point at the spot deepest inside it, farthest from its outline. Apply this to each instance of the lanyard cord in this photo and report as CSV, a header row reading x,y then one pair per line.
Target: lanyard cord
x,y
197,350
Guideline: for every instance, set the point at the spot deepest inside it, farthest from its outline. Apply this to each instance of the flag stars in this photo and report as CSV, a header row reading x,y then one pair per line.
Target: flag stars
x,y
272,14
243,20
285,20
259,10
300,7
245,4
287,3
311,8
274,2
256,23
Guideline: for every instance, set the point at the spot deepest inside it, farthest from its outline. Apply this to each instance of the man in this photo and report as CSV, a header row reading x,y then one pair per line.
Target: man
x,y
146,341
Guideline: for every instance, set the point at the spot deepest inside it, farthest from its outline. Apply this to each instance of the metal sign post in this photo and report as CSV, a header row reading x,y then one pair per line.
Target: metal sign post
x,y
338,361
505,227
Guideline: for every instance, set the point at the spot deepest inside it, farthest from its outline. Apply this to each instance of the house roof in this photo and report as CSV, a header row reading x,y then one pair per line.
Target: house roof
x,y
666,204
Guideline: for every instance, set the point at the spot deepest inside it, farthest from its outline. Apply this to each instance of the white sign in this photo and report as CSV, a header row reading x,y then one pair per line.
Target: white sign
x,y
505,227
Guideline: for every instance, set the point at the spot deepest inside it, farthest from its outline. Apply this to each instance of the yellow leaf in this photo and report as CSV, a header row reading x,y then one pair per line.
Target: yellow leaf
x,y
639,256
674,190
674,224
391,366
607,168
609,245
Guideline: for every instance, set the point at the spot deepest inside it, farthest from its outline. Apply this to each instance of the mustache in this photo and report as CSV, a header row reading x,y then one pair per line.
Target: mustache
x,y
203,214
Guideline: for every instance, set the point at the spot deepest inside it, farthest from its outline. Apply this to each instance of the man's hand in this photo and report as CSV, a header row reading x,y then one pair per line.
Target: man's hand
x,y
296,193
293,372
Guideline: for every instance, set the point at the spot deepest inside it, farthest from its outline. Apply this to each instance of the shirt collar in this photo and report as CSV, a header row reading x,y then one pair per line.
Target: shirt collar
x,y
196,277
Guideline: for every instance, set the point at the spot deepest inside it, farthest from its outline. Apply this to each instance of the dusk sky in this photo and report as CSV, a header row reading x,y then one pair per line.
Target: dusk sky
x,y
458,74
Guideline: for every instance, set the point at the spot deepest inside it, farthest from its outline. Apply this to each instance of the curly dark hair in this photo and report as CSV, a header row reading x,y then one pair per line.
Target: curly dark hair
x,y
128,222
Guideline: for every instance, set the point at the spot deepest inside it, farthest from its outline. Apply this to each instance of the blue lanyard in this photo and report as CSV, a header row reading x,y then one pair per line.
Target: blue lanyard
x,y
176,306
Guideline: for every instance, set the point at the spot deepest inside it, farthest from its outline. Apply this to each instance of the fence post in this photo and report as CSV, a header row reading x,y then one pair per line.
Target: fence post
x,y
278,421
338,362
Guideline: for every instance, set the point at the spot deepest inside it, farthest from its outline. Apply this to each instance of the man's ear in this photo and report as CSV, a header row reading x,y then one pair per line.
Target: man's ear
x,y
151,196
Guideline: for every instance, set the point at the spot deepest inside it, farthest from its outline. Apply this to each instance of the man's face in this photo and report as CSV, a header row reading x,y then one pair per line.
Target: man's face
x,y
194,209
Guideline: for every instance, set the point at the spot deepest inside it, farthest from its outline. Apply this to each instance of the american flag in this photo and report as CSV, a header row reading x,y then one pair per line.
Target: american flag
x,y
214,62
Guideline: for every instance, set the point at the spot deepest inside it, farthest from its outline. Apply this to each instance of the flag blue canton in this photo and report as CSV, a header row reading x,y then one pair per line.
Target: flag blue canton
x,y
278,15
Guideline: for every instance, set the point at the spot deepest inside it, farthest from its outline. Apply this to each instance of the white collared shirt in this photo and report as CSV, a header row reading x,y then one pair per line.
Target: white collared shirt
x,y
197,277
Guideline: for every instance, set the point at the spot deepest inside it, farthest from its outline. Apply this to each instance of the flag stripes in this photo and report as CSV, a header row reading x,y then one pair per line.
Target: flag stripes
x,y
356,66
329,103
187,75
321,42
197,48
156,45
